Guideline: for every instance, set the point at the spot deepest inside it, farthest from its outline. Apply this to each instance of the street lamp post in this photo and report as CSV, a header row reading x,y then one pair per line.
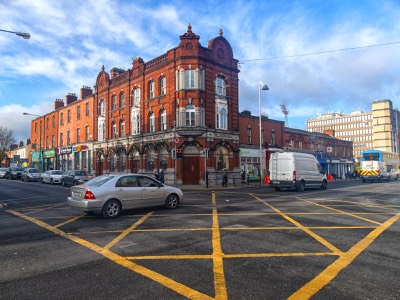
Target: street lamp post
x,y
23,34
264,87
40,139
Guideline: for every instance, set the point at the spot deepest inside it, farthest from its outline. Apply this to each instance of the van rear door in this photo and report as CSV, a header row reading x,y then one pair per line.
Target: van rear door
x,y
284,170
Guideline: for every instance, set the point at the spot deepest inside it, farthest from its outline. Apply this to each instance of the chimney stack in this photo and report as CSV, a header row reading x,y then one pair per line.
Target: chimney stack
x,y
70,98
58,103
86,92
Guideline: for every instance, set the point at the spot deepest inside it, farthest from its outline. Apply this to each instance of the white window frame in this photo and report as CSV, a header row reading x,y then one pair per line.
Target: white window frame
x,y
163,120
122,99
136,97
152,122
222,118
152,92
114,102
190,115
163,86
190,79
122,128
220,86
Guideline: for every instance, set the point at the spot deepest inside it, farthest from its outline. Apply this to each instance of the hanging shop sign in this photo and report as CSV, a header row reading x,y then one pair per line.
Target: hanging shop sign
x,y
65,150
79,148
48,153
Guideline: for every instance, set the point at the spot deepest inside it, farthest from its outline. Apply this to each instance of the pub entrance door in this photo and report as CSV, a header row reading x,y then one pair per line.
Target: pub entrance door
x,y
191,171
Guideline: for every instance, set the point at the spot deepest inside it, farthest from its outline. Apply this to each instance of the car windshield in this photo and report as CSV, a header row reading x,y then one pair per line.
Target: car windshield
x,y
99,181
33,171
3,169
56,172
17,169
80,173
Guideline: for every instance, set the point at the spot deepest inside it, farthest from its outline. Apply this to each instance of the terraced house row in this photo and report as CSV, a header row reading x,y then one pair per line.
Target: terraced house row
x,y
178,112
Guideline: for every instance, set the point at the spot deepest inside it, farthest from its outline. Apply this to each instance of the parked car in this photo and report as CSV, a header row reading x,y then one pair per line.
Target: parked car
x,y
74,177
31,174
14,173
52,176
3,172
110,194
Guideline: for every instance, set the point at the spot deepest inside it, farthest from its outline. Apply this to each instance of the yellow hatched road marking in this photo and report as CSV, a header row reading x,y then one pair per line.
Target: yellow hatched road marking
x,y
161,279
312,287
340,211
127,231
218,264
69,221
305,229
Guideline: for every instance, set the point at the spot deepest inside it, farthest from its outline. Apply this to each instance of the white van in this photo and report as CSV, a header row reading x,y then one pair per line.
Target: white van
x,y
295,170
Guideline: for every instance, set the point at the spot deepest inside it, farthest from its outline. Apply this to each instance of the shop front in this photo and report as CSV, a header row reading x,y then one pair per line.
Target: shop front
x,y
250,164
49,157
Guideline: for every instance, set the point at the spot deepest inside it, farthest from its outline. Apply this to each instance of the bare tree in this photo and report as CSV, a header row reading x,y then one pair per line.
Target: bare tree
x,y
6,139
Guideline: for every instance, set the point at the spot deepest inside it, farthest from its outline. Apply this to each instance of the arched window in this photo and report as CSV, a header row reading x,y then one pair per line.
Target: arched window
x,y
220,86
102,108
163,120
152,123
136,97
152,93
162,158
150,160
222,119
163,86
190,115
222,158
136,122
122,99
114,102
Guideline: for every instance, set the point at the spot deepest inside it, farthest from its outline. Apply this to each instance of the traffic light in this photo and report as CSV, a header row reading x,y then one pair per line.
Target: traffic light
x,y
173,154
207,153
179,153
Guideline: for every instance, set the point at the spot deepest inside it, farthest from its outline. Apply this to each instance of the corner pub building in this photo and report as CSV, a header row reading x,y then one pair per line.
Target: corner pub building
x,y
182,104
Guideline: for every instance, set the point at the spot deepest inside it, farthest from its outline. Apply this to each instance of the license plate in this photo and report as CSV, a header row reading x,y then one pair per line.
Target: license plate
x,y
77,194
277,182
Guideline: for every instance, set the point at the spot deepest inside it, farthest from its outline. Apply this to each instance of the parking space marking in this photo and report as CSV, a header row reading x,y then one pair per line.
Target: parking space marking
x,y
305,229
217,255
127,231
161,279
340,211
326,276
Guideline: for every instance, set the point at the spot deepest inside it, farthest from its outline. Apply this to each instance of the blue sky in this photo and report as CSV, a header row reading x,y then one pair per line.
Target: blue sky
x,y
71,40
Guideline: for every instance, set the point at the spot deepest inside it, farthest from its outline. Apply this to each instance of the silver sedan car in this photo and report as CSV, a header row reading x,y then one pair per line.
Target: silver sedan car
x,y
52,176
110,194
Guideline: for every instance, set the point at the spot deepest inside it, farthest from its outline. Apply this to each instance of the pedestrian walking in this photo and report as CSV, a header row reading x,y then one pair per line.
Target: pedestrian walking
x,y
156,175
224,177
161,176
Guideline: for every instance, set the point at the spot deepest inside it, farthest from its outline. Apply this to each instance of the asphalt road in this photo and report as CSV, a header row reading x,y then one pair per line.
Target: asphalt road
x,y
245,243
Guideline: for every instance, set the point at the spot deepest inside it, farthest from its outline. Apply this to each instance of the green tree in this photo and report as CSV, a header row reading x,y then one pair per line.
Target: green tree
x,y
6,140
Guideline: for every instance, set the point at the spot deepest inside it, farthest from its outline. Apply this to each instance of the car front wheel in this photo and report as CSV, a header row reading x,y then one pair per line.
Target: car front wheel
x,y
111,209
172,201
324,185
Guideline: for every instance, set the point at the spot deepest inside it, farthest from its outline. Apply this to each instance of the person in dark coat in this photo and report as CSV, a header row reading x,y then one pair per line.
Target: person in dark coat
x,y
224,177
161,176
156,175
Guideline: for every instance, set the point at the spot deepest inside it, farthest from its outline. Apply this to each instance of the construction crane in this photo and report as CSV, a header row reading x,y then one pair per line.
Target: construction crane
x,y
286,113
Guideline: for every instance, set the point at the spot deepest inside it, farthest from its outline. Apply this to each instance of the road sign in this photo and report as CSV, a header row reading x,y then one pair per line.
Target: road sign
x,y
176,140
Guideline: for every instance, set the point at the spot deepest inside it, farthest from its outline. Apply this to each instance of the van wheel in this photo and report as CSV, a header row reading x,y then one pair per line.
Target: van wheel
x,y
300,187
324,185
111,209
277,189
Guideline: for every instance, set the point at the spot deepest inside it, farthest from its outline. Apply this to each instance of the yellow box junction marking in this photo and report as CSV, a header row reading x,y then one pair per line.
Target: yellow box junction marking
x,y
161,279
305,229
218,264
326,276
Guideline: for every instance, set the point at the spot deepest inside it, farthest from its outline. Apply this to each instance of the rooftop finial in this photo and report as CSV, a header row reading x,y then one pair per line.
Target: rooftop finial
x,y
220,32
102,68
189,28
